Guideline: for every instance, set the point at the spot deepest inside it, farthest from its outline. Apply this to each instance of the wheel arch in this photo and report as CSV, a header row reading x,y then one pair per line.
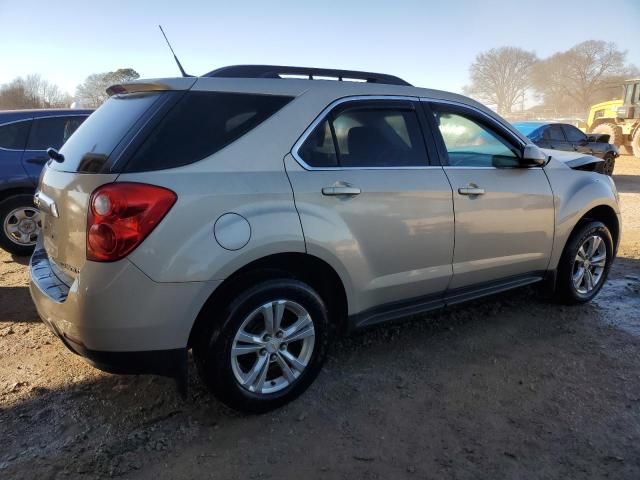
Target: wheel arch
x,y
10,192
603,213
606,215
302,266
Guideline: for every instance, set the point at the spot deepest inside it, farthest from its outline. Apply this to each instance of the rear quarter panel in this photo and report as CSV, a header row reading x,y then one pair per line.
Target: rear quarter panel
x,y
246,178
575,192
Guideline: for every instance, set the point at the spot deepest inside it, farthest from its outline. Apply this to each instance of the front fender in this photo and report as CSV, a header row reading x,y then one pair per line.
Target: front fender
x,y
575,193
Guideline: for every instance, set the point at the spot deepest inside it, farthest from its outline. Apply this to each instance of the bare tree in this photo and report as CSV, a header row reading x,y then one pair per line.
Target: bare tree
x,y
92,93
582,75
501,77
32,92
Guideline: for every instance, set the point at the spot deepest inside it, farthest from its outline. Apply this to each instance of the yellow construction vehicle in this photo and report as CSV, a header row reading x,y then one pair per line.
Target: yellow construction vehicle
x,y
620,119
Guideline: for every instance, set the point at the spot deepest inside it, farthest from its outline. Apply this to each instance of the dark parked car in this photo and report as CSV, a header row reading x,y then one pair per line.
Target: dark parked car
x,y
562,136
25,136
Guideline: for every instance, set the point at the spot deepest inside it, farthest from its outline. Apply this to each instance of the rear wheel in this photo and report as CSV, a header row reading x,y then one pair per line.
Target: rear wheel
x,y
20,222
585,263
266,347
614,132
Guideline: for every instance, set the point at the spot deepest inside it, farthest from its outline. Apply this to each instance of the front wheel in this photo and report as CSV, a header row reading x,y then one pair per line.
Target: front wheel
x,y
266,347
609,164
20,222
585,263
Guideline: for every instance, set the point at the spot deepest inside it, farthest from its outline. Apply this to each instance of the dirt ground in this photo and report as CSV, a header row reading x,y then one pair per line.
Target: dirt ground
x,y
509,387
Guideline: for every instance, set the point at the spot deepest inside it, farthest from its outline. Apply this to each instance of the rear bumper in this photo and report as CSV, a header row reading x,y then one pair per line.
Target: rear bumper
x,y
169,363
116,317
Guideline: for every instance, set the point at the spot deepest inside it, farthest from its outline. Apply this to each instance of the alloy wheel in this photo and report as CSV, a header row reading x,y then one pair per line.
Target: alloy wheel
x,y
589,264
22,226
272,347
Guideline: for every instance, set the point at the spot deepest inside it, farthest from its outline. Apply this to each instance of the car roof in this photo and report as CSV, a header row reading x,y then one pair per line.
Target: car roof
x,y
7,116
317,90
533,124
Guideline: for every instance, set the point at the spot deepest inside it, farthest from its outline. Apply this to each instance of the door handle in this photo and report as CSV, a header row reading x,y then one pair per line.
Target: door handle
x,y
38,160
471,190
333,191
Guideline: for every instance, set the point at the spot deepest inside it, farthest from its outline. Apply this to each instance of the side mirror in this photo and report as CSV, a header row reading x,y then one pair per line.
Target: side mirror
x,y
532,156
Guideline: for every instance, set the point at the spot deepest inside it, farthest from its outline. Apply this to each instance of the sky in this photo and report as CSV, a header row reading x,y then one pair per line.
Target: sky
x,y
428,43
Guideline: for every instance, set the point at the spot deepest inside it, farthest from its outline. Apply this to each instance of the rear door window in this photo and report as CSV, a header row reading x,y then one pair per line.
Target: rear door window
x,y
380,134
200,124
52,131
573,134
554,133
13,136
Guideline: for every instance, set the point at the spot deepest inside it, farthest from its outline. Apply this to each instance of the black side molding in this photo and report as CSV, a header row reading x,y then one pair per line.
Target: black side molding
x,y
417,306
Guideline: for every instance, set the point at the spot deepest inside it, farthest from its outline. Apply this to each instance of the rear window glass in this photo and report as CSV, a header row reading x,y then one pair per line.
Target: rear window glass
x,y
92,143
14,135
200,124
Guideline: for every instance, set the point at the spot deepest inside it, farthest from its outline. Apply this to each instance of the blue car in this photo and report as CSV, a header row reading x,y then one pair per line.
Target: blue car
x,y
25,136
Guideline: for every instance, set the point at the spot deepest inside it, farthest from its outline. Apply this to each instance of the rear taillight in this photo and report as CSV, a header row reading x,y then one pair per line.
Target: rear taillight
x,y
120,217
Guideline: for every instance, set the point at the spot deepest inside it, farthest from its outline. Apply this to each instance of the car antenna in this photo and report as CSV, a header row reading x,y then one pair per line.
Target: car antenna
x,y
184,74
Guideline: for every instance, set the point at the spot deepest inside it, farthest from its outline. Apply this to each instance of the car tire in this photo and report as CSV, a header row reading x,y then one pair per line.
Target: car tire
x,y
241,360
635,143
15,212
608,164
573,275
614,131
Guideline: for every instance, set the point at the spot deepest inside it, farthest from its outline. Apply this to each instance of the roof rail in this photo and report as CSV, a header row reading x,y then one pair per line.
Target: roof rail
x,y
278,71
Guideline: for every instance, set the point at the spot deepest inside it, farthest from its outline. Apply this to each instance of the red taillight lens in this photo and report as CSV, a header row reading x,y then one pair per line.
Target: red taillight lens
x,y
120,217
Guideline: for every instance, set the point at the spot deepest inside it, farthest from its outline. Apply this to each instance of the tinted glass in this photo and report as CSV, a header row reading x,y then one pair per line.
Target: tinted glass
x,y
527,128
200,124
628,93
553,132
14,135
471,144
573,134
318,150
379,137
52,132
99,135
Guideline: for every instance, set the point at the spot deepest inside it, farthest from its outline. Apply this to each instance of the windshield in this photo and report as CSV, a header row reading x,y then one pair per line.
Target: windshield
x,y
88,149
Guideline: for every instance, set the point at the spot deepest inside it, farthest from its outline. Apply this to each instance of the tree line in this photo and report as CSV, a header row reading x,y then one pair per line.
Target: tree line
x,y
568,81
33,91
503,78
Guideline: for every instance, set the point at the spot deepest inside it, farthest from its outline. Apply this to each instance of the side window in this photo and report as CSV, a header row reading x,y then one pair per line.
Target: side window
x,y
14,135
318,149
52,132
200,124
554,132
363,135
573,134
470,143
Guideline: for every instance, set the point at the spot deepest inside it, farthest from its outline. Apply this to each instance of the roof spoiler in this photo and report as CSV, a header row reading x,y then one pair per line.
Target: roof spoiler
x,y
182,83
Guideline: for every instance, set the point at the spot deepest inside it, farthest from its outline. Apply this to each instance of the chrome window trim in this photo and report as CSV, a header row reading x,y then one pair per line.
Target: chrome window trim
x,y
34,119
323,115
492,120
459,167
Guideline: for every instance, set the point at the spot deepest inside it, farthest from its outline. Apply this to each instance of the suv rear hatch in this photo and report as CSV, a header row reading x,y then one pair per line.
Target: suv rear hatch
x,y
91,157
